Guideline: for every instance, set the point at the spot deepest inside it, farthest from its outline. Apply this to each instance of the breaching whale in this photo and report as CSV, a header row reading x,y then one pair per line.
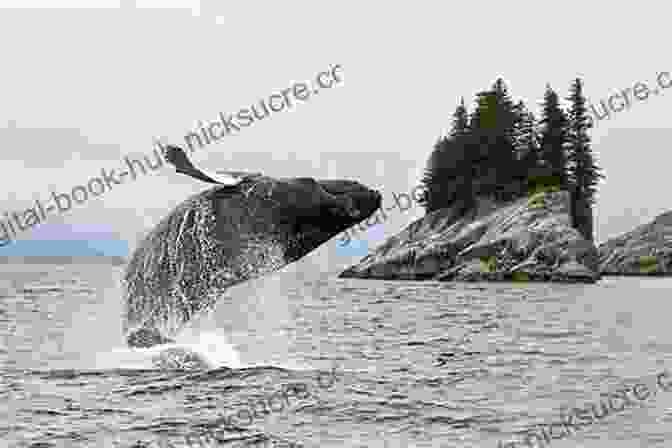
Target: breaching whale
x,y
244,227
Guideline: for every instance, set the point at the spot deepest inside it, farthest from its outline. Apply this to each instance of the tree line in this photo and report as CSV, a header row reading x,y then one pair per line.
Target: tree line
x,y
500,150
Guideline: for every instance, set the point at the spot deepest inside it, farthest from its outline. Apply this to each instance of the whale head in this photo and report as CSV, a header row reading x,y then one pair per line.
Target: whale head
x,y
227,235
332,206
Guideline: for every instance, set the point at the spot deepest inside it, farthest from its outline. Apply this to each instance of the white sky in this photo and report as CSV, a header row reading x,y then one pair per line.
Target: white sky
x,y
87,86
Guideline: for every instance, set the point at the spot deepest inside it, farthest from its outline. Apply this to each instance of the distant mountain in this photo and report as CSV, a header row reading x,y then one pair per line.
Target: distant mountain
x,y
64,251
37,259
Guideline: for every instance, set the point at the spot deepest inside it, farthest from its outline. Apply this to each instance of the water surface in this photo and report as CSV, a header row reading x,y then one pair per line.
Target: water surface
x,y
418,364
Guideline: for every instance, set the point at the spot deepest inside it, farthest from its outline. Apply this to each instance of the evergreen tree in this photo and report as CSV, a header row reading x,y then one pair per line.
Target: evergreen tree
x,y
584,174
459,178
526,147
447,178
431,178
526,138
500,151
494,110
506,150
492,126
436,175
460,125
506,111
482,125
554,141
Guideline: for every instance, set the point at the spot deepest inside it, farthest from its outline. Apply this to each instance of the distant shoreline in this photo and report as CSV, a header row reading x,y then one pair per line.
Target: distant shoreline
x,y
59,259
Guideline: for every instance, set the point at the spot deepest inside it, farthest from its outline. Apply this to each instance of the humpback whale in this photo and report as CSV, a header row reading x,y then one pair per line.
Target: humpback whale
x,y
243,227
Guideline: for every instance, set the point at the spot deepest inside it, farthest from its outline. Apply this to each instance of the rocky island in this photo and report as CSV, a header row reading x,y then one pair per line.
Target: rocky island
x,y
530,239
644,251
506,196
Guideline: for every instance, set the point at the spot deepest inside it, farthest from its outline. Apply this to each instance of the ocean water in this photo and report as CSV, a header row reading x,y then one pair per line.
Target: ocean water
x,y
416,364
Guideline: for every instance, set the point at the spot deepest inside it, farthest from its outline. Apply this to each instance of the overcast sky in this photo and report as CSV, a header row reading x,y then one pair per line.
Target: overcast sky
x,y
82,88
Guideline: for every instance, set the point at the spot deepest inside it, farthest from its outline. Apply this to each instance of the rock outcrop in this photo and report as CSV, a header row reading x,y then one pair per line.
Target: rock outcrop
x,y
646,250
531,239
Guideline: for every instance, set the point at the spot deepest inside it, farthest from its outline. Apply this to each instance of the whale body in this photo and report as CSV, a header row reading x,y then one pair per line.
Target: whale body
x,y
228,234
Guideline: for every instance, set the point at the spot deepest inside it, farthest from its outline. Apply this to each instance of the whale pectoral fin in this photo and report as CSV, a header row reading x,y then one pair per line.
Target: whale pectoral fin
x,y
231,178
178,158
238,174
219,178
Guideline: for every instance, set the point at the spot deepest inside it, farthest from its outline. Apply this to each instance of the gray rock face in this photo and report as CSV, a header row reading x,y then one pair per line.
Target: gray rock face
x,y
529,239
646,250
227,235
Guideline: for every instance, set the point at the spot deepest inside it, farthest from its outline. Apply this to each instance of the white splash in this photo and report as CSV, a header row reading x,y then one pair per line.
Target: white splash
x,y
213,348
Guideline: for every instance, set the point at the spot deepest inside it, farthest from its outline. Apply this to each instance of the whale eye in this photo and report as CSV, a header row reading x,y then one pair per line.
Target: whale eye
x,y
351,208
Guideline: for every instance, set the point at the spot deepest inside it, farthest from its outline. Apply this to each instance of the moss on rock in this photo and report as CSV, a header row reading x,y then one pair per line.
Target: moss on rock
x,y
489,264
520,277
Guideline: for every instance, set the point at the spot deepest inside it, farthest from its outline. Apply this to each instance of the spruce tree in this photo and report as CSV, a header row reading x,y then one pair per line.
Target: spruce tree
x,y
554,141
460,173
506,110
437,175
482,125
447,178
526,146
584,174
460,125
492,126
506,164
431,178
526,138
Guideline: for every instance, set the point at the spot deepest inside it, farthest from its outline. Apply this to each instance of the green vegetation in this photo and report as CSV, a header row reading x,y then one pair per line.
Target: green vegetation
x,y
501,151
537,196
584,173
536,201
489,264
648,264
520,277
540,189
